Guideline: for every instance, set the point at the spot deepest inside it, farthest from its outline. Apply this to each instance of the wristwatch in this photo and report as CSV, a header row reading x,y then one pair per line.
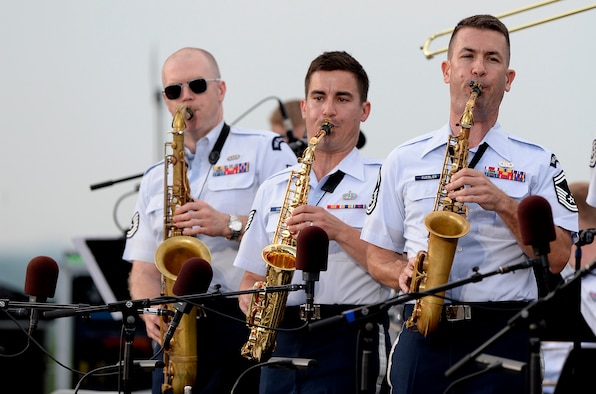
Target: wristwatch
x,y
235,226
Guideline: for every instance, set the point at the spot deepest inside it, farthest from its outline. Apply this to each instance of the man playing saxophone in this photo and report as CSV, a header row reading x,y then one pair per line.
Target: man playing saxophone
x,y
225,167
341,182
502,171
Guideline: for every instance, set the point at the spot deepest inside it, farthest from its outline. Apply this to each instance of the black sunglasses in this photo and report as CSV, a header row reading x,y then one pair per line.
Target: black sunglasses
x,y
197,86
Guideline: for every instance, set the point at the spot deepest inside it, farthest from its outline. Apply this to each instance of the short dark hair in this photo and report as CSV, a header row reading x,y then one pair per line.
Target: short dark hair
x,y
339,60
483,22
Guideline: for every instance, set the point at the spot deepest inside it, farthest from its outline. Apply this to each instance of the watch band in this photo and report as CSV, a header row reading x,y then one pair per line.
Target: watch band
x,y
235,226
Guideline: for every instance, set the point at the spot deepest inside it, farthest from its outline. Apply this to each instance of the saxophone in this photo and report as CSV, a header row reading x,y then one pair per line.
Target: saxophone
x,y
266,309
181,357
446,224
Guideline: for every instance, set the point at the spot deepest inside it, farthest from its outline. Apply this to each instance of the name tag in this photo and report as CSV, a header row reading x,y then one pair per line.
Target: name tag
x,y
427,177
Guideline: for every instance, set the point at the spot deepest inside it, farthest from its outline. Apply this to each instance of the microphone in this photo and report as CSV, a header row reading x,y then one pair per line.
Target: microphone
x,y
194,278
287,122
537,229
40,284
312,249
156,311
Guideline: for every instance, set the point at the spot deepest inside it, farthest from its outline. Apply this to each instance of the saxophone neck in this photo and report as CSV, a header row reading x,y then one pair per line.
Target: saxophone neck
x,y
467,118
308,154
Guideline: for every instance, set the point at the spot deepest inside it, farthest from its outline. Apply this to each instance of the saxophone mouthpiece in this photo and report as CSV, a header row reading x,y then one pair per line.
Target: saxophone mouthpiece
x,y
327,126
183,114
188,113
475,87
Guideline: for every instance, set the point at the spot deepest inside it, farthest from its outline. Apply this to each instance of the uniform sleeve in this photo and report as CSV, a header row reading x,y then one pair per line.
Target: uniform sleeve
x,y
591,198
255,236
383,226
278,156
140,237
554,187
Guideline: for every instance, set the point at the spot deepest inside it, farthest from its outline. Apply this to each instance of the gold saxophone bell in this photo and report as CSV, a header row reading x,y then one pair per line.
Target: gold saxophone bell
x,y
445,228
173,252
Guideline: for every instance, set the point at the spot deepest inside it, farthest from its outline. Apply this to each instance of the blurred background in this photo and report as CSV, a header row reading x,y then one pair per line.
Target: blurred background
x,y
81,105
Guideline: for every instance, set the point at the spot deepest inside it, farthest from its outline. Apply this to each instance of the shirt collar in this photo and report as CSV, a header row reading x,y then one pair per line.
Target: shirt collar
x,y
211,138
496,138
352,164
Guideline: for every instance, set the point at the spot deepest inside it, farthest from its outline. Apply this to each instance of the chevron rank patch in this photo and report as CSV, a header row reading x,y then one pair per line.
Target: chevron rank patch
x,y
375,196
134,225
251,216
564,196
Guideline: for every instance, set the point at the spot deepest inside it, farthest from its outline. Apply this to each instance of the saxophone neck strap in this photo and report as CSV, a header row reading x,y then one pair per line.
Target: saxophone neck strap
x,y
216,151
478,155
332,182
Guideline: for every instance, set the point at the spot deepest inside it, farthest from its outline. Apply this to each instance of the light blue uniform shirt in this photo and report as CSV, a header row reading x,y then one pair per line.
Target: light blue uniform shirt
x,y
344,281
408,186
247,158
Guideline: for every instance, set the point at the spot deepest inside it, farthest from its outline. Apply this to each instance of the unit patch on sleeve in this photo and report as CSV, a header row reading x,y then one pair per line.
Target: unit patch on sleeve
x,y
553,161
276,143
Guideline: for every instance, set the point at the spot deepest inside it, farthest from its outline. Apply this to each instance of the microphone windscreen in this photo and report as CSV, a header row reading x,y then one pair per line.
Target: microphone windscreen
x,y
41,277
193,278
312,249
536,222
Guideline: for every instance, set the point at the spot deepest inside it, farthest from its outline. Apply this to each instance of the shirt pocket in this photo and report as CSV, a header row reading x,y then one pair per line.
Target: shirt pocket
x,y
420,199
489,223
355,217
155,213
233,176
273,217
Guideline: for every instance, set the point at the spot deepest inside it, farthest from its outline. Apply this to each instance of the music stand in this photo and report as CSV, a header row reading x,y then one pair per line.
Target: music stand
x,y
103,258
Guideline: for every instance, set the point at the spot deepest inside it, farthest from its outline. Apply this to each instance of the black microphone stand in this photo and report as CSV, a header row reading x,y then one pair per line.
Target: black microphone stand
x,y
130,318
368,311
110,183
130,310
530,316
129,321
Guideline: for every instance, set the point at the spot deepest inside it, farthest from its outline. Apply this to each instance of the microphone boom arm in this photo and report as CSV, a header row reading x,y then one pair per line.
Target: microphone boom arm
x,y
368,311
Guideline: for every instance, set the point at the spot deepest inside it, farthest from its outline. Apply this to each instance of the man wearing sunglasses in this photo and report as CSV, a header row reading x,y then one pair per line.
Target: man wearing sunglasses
x,y
226,165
